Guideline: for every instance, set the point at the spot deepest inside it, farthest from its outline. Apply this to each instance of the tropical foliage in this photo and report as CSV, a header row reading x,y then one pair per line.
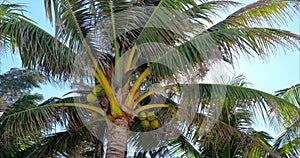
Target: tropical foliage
x,y
150,56
16,96
287,144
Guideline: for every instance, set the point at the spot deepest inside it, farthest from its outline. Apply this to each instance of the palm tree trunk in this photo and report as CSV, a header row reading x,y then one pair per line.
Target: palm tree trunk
x,y
117,138
99,150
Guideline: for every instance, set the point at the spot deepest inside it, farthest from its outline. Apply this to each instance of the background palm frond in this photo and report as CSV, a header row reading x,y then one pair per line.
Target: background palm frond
x,y
287,143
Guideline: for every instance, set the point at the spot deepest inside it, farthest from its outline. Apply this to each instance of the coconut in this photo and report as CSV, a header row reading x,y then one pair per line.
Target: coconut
x,y
150,116
91,98
145,123
142,116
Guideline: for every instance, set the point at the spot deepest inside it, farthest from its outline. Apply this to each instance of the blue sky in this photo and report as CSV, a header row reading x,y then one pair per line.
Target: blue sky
x,y
277,72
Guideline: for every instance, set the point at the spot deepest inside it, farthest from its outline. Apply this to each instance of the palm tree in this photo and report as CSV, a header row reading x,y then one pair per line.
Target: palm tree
x,y
129,46
15,95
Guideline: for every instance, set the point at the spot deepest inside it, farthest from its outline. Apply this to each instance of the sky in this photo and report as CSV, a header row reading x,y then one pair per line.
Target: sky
x,y
277,72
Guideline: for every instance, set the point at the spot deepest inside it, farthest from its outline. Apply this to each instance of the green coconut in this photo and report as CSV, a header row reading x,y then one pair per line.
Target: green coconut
x,y
150,116
154,123
142,116
91,98
145,123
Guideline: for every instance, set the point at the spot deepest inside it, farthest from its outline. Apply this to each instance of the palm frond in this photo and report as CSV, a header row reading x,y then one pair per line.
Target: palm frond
x,y
234,42
238,107
10,144
254,15
32,119
288,141
153,30
184,148
228,140
72,19
239,80
291,94
231,42
66,143
260,13
207,10
250,99
38,49
262,102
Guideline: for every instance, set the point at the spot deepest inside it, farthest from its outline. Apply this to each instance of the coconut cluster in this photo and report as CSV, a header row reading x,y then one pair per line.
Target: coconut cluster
x,y
148,119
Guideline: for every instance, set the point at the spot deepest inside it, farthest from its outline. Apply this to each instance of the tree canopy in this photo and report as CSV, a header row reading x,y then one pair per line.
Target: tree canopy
x,y
136,68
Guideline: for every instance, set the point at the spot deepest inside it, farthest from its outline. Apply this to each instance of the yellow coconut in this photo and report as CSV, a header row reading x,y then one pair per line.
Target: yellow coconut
x,y
150,116
154,123
145,123
142,116
91,98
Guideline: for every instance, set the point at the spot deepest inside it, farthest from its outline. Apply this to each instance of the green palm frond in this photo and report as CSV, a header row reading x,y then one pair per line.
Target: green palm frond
x,y
250,99
239,80
11,145
228,140
197,50
155,27
247,41
260,13
223,140
291,94
231,42
290,149
183,147
266,101
30,121
73,19
240,105
38,49
10,12
66,143
254,40
40,123
178,22
288,141
207,10
254,15
45,118
14,11
34,118
235,130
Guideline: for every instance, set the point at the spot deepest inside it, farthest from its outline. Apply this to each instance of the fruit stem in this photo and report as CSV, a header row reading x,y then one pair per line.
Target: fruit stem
x,y
151,92
89,107
150,106
115,109
136,86
131,57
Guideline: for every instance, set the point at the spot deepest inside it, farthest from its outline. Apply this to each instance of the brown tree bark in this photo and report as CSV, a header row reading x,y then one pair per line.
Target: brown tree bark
x,y
117,134
99,150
